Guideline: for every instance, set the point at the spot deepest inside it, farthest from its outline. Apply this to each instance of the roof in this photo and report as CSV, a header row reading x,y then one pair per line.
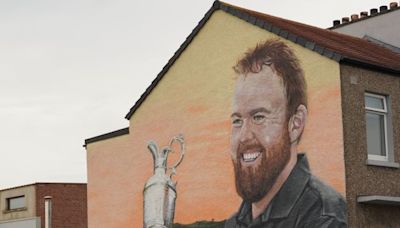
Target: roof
x,y
109,135
40,183
339,47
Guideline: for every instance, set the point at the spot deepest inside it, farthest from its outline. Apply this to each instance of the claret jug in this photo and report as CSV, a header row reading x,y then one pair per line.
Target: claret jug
x,y
160,190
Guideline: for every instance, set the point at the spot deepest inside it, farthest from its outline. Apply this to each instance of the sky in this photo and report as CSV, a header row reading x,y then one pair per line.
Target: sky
x,y
71,70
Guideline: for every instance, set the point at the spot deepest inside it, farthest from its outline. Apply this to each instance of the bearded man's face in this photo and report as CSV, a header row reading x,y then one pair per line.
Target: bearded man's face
x,y
260,144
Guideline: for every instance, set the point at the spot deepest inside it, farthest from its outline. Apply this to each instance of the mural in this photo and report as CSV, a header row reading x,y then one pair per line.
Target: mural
x,y
262,122
268,118
269,114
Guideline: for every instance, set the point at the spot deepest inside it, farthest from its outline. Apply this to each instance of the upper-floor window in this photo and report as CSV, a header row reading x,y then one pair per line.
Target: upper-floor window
x,y
14,203
376,116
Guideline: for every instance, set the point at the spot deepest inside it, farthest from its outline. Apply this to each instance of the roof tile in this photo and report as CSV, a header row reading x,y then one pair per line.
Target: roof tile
x,y
259,23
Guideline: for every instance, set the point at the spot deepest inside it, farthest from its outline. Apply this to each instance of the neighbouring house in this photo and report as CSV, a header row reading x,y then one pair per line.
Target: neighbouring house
x,y
24,206
378,26
352,135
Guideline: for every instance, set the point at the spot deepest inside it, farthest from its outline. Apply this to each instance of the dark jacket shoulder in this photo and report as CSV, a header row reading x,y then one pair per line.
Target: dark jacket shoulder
x,y
331,202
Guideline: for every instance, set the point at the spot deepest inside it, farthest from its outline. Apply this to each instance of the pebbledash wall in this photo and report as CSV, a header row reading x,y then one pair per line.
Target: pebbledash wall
x,y
363,179
194,98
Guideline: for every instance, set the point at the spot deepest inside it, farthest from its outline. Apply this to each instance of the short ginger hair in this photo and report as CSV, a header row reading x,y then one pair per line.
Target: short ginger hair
x,y
277,55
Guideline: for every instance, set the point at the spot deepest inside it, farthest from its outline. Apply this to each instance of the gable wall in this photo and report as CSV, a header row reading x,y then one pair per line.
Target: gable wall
x,y
194,98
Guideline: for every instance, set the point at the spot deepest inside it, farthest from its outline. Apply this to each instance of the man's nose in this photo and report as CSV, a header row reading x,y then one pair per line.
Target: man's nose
x,y
246,132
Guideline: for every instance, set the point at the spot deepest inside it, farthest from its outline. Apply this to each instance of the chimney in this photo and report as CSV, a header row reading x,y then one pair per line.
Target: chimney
x,y
364,14
393,5
354,17
47,211
373,11
336,23
345,20
383,9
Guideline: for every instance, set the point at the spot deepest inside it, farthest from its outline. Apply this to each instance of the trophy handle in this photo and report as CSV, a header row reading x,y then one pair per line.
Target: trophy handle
x,y
181,141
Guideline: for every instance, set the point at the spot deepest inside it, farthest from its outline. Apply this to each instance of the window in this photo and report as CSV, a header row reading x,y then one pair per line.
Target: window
x,y
376,116
16,203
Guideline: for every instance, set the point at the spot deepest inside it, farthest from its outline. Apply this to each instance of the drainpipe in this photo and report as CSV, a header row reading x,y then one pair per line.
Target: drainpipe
x,y
47,211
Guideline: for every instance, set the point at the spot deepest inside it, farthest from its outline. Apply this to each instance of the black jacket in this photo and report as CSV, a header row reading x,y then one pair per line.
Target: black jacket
x,y
303,201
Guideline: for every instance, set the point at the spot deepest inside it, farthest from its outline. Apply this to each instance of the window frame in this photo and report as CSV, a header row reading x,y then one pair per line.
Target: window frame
x,y
383,112
8,202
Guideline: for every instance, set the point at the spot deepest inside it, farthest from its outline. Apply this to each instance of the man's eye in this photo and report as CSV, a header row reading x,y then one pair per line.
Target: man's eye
x,y
237,122
258,118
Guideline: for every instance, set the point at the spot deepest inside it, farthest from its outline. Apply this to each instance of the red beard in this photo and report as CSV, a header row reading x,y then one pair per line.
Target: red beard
x,y
253,183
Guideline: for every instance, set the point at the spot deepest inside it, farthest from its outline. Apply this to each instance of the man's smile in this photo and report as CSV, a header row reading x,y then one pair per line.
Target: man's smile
x,y
249,157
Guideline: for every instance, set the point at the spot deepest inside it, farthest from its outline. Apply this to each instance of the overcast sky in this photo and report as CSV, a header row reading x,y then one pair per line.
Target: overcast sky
x,y
71,70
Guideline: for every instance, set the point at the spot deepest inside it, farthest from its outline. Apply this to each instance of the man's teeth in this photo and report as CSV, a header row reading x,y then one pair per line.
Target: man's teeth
x,y
248,157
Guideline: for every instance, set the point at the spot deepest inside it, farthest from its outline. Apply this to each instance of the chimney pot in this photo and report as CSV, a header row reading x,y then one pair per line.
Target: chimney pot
x,y
336,23
354,17
345,20
383,9
393,5
364,14
373,11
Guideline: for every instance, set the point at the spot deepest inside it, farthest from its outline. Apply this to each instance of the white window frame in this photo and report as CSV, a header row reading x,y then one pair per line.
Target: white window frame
x,y
384,113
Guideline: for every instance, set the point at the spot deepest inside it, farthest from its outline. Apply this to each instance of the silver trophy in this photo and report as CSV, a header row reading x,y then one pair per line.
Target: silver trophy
x,y
160,191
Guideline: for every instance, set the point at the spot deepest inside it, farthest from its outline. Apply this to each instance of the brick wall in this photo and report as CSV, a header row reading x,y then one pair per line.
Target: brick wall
x,y
69,204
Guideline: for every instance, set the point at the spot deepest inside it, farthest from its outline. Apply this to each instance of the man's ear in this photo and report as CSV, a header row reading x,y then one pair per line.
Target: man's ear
x,y
297,123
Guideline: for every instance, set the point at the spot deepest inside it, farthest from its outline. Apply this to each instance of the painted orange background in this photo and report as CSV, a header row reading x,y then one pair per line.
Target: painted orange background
x,y
194,98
